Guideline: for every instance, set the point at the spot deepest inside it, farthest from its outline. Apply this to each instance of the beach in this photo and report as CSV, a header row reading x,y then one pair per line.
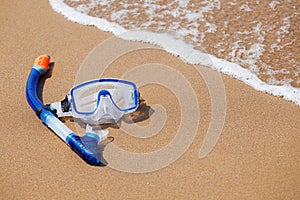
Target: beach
x,y
256,156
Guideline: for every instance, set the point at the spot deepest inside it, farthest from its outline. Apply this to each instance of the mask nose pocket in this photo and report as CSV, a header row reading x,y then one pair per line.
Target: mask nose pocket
x,y
106,112
104,105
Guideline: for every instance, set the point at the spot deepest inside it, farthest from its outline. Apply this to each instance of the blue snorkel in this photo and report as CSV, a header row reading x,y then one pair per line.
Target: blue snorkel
x,y
86,146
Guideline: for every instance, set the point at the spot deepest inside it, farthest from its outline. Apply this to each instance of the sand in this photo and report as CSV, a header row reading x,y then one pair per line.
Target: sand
x,y
256,156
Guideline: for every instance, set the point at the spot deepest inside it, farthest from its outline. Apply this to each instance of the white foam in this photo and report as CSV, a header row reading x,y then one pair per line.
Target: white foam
x,y
177,46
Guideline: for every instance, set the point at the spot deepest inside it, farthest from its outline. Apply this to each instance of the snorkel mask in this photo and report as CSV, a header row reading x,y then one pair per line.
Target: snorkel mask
x,y
99,101
93,102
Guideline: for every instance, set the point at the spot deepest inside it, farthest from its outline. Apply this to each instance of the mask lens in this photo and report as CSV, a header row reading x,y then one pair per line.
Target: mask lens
x,y
123,96
86,96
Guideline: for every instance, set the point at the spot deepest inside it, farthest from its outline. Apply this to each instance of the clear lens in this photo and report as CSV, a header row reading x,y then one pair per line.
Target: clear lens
x,y
86,97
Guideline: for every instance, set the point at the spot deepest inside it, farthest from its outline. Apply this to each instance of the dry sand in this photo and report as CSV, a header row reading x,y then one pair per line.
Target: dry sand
x,y
256,157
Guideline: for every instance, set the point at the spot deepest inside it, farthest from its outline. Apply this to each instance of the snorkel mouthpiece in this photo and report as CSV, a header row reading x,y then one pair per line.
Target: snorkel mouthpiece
x,y
85,147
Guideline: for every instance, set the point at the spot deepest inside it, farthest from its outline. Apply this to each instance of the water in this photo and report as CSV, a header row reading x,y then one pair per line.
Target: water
x,y
256,41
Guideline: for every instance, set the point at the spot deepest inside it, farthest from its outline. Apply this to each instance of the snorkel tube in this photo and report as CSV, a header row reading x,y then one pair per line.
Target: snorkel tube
x,y
85,146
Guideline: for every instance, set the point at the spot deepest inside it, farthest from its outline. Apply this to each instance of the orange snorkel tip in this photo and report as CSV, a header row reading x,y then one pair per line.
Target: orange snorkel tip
x,y
41,63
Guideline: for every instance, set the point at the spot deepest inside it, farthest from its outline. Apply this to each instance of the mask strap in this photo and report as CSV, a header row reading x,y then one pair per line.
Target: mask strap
x,y
61,108
65,104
